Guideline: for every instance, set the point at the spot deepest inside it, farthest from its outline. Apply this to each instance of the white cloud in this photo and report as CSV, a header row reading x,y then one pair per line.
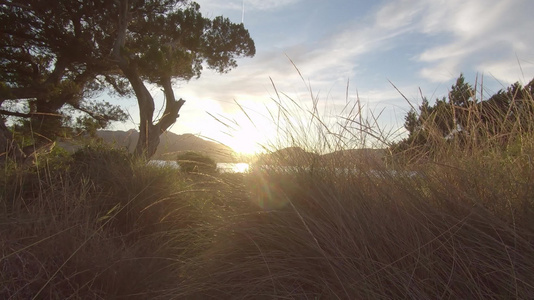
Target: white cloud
x,y
397,14
476,31
444,71
506,72
268,4
464,33
249,4
486,36
337,56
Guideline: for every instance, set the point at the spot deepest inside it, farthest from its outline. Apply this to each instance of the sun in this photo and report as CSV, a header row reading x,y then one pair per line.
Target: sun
x,y
247,133
246,141
245,145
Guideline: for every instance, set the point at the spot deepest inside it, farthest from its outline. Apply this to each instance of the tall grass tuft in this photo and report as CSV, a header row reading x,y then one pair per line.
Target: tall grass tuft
x,y
457,224
98,225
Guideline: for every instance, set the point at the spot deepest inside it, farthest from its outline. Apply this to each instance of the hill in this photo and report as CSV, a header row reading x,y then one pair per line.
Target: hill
x,y
293,156
170,144
354,156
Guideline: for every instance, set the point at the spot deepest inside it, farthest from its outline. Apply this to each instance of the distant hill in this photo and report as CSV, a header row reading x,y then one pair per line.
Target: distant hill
x,y
293,156
170,144
355,155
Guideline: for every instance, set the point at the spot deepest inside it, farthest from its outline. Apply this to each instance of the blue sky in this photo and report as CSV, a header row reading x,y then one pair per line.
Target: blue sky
x,y
415,44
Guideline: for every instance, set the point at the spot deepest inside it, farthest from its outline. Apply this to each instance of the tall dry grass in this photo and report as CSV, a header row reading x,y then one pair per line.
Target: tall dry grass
x,y
456,224
98,225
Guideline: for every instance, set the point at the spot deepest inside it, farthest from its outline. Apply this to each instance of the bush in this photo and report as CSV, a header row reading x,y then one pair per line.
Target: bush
x,y
196,162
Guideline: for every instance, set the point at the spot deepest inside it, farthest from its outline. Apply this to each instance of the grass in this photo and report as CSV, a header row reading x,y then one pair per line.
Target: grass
x,y
360,237
99,224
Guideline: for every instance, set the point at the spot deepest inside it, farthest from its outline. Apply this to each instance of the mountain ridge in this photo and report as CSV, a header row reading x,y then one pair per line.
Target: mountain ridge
x,y
170,145
293,156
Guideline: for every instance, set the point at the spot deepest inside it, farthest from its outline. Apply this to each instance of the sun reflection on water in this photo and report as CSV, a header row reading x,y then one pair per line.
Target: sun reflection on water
x,y
233,167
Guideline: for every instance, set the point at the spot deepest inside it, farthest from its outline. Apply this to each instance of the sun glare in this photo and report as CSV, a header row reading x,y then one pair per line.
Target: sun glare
x,y
246,144
248,139
248,131
241,168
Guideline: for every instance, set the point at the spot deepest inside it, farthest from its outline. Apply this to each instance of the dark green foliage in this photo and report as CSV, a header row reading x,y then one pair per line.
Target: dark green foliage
x,y
22,180
109,170
51,61
103,164
56,55
462,120
196,162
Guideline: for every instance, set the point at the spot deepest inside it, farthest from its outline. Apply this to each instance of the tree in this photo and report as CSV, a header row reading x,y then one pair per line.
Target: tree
x,y
165,40
509,107
57,53
462,119
50,59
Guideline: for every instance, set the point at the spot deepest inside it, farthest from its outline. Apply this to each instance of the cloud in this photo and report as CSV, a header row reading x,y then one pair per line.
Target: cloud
x,y
338,56
329,58
444,38
397,15
268,4
473,32
458,36
249,4
325,63
506,72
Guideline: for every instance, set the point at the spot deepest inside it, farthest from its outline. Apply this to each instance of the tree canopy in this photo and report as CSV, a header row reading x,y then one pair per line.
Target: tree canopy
x,y
466,121
56,54
51,64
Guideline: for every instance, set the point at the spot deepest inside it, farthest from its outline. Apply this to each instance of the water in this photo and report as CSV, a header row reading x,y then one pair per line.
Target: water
x,y
222,167
233,167
244,167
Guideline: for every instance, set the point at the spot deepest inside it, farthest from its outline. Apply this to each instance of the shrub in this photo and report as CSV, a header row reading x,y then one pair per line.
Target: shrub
x,y
196,162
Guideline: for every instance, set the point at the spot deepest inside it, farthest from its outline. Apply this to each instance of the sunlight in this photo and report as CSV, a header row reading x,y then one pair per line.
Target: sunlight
x,y
245,144
248,139
248,129
241,168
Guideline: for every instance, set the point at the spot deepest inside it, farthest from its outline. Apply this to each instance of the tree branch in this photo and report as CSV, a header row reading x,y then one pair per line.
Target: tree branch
x,y
93,115
15,114
58,72
172,106
11,4
26,115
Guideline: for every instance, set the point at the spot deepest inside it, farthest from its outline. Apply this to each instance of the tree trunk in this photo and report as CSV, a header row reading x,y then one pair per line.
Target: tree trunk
x,y
148,140
148,131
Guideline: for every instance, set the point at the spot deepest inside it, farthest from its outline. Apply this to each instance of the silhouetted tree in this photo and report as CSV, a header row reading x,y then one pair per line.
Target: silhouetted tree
x,y
59,51
165,40
461,118
51,58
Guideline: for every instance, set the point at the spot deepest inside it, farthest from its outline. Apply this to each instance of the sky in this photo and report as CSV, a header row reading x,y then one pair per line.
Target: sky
x,y
338,51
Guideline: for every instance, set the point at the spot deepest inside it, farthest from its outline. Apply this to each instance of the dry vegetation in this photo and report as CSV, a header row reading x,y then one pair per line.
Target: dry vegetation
x,y
100,225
